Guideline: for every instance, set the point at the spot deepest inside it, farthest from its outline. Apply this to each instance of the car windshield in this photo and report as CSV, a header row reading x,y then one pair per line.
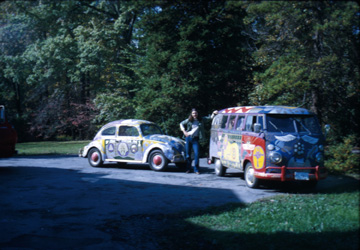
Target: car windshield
x,y
150,129
292,124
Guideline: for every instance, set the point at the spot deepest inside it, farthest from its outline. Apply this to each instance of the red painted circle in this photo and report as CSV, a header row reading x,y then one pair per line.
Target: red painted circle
x,y
95,157
157,160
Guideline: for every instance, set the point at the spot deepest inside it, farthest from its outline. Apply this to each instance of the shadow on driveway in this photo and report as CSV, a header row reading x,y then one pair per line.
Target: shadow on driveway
x,y
51,208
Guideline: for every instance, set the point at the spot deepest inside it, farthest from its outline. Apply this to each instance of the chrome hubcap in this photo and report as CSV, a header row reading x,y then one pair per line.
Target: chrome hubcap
x,y
250,175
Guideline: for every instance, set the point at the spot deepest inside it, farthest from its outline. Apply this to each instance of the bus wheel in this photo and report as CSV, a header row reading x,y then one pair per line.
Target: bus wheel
x,y
250,179
220,170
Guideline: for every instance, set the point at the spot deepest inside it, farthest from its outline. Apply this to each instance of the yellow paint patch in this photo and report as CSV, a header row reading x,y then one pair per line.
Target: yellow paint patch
x,y
258,157
232,152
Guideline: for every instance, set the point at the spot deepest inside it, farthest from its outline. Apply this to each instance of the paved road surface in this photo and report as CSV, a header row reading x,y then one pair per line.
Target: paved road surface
x,y
60,202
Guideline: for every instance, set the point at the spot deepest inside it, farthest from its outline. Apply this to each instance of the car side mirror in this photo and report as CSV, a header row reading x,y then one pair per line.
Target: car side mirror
x,y
257,127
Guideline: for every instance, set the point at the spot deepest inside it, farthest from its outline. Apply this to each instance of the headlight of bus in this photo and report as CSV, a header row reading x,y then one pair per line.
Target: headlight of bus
x,y
271,147
275,157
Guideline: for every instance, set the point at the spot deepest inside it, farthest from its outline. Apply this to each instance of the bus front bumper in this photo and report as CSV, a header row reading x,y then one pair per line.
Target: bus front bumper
x,y
293,173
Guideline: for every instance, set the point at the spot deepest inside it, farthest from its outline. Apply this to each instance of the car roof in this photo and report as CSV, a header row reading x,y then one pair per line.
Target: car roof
x,y
132,122
267,110
127,122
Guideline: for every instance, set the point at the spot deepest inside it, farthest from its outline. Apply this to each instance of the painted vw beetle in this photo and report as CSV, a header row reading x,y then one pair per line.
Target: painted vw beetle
x,y
136,141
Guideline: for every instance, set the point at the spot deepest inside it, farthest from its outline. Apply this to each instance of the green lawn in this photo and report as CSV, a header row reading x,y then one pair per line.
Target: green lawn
x,y
50,147
296,221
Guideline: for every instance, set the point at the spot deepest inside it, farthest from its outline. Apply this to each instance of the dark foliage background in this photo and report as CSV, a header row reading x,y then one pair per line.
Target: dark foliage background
x,y
68,67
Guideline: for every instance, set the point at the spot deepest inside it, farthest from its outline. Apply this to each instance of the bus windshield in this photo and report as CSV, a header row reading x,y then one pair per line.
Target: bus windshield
x,y
293,124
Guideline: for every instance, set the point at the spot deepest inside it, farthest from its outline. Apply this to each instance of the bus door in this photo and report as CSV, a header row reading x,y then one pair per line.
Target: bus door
x,y
253,141
231,143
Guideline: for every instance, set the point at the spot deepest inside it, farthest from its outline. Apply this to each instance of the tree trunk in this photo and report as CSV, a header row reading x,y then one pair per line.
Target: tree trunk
x,y
16,87
315,103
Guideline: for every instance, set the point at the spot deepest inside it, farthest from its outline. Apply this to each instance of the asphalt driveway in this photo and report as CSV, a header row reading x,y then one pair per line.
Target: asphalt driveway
x,y
58,202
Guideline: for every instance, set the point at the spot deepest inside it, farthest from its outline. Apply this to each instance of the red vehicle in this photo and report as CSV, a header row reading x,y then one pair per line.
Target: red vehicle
x,y
8,136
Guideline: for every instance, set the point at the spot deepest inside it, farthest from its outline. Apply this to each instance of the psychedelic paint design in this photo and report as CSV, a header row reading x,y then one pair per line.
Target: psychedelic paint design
x,y
134,141
274,142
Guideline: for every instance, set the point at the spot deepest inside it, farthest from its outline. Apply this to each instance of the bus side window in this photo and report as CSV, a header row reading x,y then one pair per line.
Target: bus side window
x,y
261,121
240,122
216,121
224,121
250,121
231,124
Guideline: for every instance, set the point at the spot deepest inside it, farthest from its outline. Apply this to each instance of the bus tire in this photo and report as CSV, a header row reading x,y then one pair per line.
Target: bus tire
x,y
220,170
250,179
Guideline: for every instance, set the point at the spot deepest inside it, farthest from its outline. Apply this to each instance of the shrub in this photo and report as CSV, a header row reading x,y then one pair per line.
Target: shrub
x,y
341,158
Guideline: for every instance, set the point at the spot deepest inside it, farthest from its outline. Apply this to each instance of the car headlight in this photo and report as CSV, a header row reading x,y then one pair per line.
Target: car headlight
x,y
275,157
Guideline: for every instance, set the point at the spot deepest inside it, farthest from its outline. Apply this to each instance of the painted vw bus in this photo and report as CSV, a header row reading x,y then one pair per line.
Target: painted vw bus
x,y
135,141
8,136
270,142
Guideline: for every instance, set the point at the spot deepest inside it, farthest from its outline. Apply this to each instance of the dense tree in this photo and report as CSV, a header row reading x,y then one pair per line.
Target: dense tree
x,y
16,34
77,50
194,56
309,53
67,66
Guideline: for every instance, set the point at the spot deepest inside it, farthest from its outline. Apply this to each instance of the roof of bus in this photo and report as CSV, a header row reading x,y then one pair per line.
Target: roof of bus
x,y
267,110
